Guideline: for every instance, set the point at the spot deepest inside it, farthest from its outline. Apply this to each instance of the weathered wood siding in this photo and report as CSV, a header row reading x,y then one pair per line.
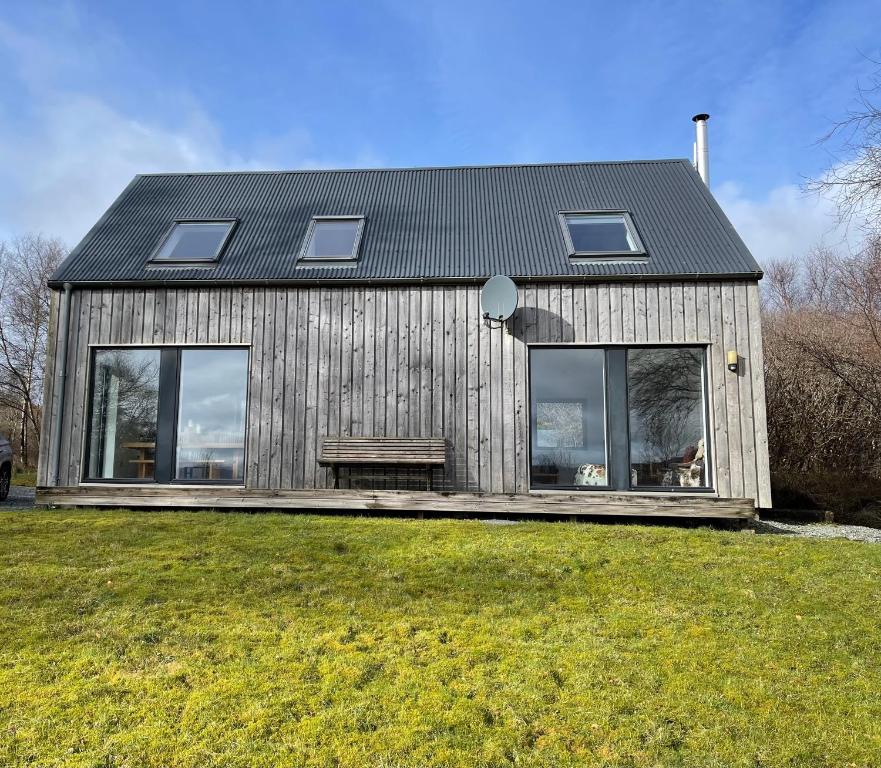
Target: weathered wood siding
x,y
417,361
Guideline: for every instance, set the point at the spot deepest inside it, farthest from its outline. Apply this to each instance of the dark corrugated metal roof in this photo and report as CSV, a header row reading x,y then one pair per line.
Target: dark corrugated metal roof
x,y
422,223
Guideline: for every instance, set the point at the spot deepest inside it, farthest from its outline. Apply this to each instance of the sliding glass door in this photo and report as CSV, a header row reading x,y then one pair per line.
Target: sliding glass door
x,y
124,414
568,417
665,392
618,418
168,415
211,414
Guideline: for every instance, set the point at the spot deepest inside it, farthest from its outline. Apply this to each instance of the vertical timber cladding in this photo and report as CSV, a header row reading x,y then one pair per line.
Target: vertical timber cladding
x,y
417,361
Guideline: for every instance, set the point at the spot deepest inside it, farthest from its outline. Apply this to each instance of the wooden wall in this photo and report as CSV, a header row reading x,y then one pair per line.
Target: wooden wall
x,y
418,361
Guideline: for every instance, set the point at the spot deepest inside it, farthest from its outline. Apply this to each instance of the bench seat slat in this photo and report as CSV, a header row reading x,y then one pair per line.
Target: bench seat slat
x,y
383,450
367,452
382,453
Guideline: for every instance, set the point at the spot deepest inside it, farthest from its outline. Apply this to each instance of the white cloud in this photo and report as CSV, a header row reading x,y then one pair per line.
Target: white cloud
x,y
79,153
65,152
69,151
786,223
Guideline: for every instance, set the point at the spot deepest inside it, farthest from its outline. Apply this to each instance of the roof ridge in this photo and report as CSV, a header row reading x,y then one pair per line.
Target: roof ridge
x,y
282,172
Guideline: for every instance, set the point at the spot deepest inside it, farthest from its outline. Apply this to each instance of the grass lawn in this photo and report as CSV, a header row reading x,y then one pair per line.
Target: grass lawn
x,y
201,639
25,477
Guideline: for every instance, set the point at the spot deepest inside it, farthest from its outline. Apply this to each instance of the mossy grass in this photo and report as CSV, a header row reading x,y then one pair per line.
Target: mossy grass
x,y
24,477
230,639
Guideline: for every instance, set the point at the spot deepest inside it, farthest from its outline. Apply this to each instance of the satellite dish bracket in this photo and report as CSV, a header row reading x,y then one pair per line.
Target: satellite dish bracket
x,y
496,322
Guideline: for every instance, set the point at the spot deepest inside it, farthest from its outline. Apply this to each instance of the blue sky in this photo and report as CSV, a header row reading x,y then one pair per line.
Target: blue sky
x,y
92,93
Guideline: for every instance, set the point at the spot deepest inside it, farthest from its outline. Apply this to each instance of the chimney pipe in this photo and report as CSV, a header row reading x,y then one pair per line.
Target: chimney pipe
x,y
701,149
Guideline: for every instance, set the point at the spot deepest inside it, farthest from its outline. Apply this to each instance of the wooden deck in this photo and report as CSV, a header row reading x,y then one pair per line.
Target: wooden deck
x,y
489,504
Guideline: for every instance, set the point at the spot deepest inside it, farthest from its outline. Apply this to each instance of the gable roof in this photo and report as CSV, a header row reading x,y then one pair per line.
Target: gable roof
x,y
421,223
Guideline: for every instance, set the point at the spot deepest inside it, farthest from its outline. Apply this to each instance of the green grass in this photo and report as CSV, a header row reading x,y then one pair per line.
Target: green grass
x,y
26,477
201,639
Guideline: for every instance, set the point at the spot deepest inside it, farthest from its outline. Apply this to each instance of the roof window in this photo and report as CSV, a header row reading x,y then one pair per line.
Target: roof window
x,y
594,234
191,241
332,239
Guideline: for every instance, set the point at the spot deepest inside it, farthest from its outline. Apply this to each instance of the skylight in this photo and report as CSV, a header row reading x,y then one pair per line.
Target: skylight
x,y
600,234
194,241
333,238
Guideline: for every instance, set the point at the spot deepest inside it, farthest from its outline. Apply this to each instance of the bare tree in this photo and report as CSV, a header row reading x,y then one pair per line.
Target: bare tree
x,y
822,333
26,263
822,322
854,181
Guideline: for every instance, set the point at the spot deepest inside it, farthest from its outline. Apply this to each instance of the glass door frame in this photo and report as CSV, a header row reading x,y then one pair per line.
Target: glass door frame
x,y
167,416
607,425
88,415
617,418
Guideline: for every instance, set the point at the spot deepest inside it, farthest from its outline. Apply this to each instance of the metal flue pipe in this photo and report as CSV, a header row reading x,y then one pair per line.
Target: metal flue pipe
x,y
701,147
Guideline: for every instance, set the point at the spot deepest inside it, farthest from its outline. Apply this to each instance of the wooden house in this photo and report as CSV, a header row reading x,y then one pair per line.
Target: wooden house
x,y
315,340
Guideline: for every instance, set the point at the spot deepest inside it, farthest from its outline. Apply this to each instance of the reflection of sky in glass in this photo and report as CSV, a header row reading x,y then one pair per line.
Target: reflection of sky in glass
x,y
564,384
213,390
194,241
333,239
599,233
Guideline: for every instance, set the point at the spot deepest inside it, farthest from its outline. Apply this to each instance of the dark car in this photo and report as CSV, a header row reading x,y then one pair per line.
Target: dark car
x,y
5,467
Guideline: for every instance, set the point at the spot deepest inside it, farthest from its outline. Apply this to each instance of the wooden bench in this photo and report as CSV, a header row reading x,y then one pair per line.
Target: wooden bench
x,y
425,452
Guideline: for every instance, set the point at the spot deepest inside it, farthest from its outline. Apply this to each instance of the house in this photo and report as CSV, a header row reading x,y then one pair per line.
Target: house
x,y
217,339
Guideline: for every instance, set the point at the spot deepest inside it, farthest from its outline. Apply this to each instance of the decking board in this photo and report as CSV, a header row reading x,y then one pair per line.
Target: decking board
x,y
587,504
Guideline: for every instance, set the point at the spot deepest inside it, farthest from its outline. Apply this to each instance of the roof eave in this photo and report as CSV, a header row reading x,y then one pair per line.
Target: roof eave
x,y
440,280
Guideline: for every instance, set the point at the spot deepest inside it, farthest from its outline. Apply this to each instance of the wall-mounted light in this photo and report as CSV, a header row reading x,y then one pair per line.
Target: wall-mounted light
x,y
733,361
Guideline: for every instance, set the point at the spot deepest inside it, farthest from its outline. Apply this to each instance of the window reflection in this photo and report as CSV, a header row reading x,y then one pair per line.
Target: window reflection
x,y
124,408
194,241
211,415
568,417
665,390
334,239
596,234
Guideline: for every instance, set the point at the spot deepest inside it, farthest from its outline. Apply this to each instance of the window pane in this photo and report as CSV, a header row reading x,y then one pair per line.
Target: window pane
x,y
211,415
124,407
333,239
568,417
665,389
194,241
597,233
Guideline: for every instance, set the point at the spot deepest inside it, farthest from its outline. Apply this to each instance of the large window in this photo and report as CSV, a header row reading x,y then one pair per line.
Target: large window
x,y
665,393
568,417
211,416
168,415
618,418
125,408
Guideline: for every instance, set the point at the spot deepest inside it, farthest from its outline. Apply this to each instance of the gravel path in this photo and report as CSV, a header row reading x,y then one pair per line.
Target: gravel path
x,y
19,497
820,530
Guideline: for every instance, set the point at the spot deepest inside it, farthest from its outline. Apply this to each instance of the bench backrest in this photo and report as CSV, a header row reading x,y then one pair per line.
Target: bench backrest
x,y
425,451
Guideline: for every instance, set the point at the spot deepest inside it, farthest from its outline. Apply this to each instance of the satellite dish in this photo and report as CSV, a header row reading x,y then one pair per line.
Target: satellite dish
x,y
498,298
